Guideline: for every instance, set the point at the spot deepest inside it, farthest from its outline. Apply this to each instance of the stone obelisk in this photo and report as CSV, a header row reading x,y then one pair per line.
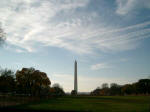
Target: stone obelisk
x,y
75,77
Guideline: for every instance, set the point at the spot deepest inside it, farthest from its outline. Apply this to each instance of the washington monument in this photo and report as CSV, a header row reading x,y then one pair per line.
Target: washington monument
x,y
75,77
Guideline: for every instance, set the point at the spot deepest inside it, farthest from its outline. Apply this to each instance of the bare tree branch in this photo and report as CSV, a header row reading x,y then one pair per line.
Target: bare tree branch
x,y
2,35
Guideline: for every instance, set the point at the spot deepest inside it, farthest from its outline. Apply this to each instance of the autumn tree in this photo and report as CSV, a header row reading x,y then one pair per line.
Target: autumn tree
x,y
31,81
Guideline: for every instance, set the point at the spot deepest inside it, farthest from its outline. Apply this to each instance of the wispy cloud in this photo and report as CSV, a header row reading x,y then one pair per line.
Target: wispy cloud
x,y
99,66
128,6
31,25
124,59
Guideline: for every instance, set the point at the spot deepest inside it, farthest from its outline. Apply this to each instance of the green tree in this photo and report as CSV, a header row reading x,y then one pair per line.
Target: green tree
x,y
135,88
115,89
73,92
127,89
144,86
105,89
7,81
96,91
57,90
105,85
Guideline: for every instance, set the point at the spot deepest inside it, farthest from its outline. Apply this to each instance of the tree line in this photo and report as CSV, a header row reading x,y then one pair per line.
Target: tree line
x,y
32,82
142,87
28,81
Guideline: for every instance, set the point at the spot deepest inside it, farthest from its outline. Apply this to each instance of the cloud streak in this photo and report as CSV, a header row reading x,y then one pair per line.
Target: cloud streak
x,y
38,24
99,66
128,6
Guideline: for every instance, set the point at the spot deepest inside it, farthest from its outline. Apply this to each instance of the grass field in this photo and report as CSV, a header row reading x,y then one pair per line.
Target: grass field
x,y
93,104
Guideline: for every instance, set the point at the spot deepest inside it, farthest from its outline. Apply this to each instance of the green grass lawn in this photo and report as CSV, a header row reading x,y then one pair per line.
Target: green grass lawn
x,y
94,104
